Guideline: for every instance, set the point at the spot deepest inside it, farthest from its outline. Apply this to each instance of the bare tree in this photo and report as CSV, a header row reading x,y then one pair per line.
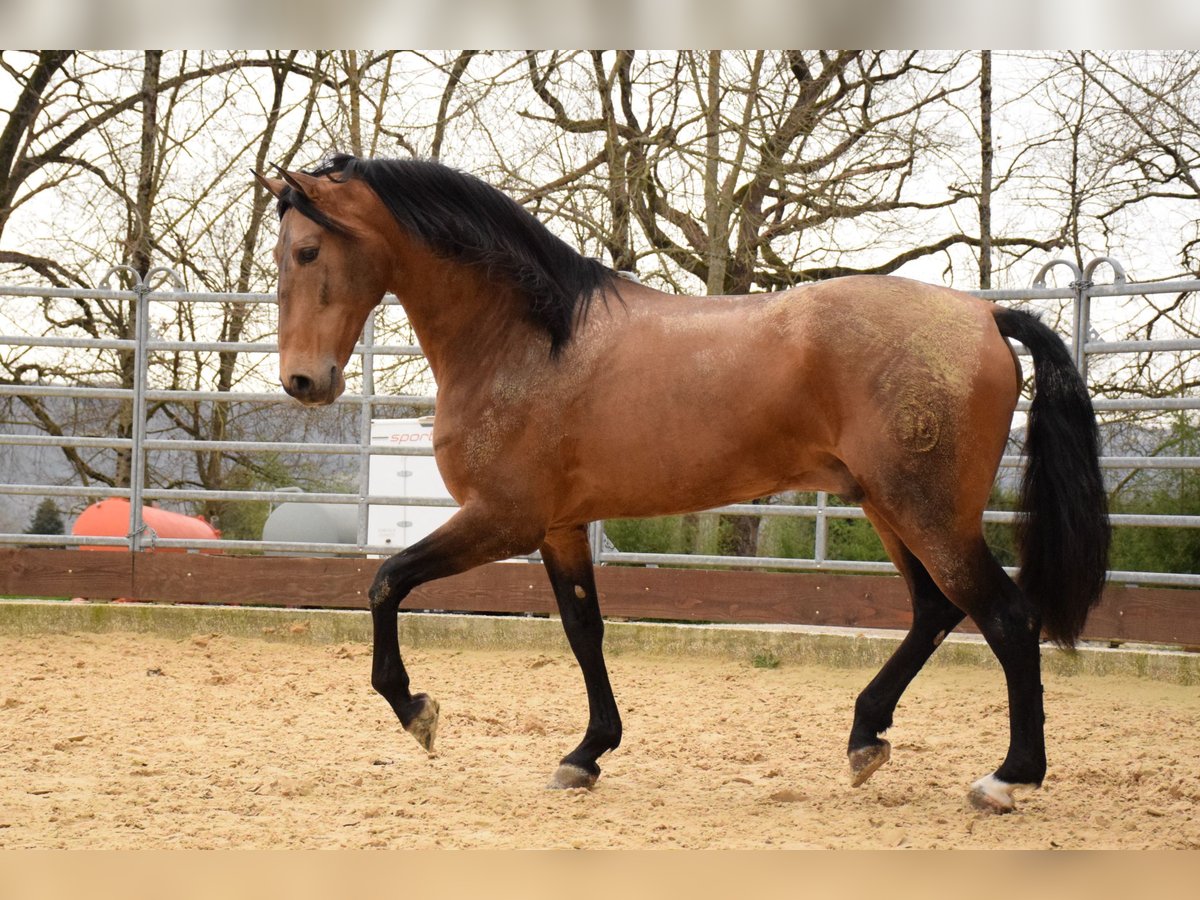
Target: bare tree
x,y
1149,130
17,164
757,171
199,213
986,158
64,98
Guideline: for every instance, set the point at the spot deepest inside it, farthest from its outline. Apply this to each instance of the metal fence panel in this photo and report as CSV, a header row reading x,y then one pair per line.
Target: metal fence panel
x,y
1080,293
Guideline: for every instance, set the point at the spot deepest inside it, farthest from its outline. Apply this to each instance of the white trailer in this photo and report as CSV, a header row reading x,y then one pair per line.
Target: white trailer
x,y
398,525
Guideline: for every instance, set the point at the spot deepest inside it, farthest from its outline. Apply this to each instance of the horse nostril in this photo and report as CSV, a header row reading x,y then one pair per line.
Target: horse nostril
x,y
299,386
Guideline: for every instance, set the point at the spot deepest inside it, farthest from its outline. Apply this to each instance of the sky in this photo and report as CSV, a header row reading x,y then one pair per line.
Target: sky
x,y
517,24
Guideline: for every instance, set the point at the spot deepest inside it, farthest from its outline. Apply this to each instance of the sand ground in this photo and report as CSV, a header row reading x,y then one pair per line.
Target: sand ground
x,y
135,741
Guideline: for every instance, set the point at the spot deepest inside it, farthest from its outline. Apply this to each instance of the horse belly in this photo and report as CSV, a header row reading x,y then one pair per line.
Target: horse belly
x,y
662,455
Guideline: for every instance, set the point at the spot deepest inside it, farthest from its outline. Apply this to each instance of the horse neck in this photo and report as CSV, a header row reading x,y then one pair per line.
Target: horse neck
x,y
467,324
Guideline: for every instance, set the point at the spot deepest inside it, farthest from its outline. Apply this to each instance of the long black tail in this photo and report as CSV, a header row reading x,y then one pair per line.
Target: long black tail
x,y
1063,532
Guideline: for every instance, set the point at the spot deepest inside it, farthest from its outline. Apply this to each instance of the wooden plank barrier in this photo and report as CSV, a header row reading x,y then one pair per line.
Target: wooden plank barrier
x,y
1127,613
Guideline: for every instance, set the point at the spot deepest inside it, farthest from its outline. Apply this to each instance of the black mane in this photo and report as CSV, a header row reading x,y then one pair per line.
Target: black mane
x,y
461,217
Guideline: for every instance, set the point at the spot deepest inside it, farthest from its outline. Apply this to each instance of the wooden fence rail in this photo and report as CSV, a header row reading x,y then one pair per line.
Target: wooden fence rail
x,y
1128,613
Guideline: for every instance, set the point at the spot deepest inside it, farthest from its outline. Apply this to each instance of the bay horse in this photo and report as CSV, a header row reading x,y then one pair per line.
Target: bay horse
x,y
567,394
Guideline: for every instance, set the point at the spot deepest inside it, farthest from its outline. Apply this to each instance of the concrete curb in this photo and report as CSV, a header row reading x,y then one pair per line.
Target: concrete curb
x,y
796,645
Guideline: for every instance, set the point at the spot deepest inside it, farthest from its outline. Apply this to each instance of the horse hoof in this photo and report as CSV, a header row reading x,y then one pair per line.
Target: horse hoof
x,y
423,725
990,794
571,776
865,760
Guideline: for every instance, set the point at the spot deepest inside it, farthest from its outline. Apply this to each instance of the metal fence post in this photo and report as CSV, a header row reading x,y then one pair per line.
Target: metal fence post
x,y
137,454
596,539
365,417
138,530
1084,322
141,368
821,535
1078,336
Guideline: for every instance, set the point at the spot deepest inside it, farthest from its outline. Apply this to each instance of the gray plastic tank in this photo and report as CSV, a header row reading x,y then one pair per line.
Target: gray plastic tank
x,y
312,523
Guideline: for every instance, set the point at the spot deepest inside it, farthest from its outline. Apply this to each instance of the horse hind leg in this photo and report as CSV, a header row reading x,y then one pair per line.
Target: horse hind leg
x,y
973,579
1012,625
934,616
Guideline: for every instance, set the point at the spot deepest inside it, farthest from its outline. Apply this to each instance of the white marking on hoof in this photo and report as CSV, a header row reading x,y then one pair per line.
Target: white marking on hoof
x,y
865,761
569,776
990,794
424,726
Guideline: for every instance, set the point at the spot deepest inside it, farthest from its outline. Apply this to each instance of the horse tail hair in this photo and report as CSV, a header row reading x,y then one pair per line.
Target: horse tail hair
x,y
1063,532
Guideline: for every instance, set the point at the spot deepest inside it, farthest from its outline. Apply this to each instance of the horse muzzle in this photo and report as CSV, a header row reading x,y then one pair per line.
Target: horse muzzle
x,y
313,390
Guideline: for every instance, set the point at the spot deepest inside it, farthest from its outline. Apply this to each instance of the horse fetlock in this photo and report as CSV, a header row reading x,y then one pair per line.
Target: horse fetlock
x,y
864,761
420,719
871,719
602,739
1023,769
994,795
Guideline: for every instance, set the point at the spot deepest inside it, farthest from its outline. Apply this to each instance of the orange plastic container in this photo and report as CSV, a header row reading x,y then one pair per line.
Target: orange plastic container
x,y
110,518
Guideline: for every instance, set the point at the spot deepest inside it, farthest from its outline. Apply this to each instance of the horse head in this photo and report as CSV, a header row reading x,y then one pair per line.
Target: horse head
x,y
334,263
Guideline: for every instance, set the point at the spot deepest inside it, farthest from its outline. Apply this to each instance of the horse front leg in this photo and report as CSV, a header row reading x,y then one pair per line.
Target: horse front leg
x,y
568,559
469,539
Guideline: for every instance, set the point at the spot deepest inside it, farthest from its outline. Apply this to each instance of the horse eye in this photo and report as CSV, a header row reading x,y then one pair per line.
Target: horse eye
x,y
308,254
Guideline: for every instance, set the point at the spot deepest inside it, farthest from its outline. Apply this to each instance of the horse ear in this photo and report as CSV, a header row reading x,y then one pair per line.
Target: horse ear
x,y
273,185
307,185
315,190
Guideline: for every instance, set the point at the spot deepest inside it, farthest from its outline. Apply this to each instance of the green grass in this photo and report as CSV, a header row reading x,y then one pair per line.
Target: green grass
x,y
765,659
